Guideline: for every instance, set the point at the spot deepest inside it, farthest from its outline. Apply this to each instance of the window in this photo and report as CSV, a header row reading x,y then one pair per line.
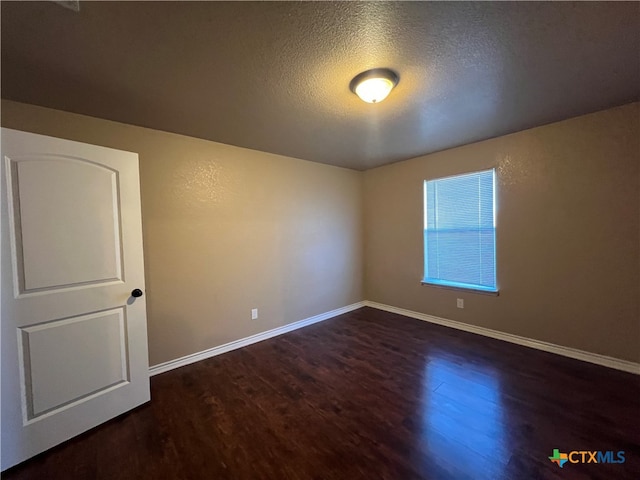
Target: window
x,y
460,231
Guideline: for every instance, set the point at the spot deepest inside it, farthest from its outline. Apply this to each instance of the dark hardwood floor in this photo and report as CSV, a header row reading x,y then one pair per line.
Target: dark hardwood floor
x,y
367,395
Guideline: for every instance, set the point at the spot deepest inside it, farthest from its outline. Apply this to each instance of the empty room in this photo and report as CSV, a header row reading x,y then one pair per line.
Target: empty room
x,y
344,240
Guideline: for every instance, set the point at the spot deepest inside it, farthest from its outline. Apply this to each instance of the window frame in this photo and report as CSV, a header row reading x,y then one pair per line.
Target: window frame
x,y
461,286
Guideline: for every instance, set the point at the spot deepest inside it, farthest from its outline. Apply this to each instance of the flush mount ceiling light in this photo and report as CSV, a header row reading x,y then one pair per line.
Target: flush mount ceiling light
x,y
374,85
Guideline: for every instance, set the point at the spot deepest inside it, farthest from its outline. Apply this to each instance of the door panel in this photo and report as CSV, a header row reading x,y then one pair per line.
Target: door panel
x,y
90,348
74,341
48,193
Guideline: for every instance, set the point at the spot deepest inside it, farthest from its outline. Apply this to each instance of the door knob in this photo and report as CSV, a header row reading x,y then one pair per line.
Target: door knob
x,y
136,292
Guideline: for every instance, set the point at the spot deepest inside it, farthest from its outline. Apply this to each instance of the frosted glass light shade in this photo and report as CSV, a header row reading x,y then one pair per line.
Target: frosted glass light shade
x,y
373,86
374,90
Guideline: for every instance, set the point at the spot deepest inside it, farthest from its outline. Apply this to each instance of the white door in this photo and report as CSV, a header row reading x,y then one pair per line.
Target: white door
x,y
74,338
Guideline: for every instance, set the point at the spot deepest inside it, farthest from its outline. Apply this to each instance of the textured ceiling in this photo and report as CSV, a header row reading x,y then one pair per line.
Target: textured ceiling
x,y
274,76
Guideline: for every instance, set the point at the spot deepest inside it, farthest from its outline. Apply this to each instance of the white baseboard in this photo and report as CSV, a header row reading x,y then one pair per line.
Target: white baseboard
x,y
598,359
243,342
595,358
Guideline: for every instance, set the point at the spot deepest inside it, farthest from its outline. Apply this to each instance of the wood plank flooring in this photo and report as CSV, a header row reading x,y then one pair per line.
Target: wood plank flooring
x,y
367,395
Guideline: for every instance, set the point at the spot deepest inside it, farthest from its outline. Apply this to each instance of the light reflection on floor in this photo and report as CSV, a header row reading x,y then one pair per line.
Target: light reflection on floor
x,y
462,418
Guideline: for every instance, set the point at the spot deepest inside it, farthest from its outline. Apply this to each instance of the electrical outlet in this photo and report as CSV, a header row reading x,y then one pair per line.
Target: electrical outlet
x,y
254,314
460,303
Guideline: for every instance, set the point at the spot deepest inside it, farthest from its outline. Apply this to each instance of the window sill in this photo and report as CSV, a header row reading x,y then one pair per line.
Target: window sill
x,y
462,289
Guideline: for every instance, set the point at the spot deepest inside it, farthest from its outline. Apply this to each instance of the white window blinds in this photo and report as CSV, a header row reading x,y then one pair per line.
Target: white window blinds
x,y
460,231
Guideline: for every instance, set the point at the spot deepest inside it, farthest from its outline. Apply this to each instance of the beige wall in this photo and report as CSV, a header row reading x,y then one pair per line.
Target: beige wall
x,y
568,233
227,229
